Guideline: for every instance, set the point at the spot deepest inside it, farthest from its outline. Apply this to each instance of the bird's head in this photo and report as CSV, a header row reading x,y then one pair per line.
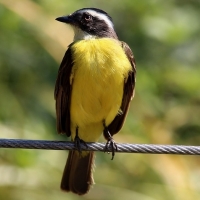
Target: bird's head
x,y
90,23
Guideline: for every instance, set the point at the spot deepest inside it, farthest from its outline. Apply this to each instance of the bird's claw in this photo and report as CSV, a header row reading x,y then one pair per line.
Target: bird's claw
x,y
111,145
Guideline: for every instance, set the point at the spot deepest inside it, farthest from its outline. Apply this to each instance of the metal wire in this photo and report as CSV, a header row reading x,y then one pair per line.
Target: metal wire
x,y
123,148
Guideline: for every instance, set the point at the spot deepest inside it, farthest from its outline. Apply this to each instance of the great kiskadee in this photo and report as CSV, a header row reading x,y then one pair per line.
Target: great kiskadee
x,y
95,84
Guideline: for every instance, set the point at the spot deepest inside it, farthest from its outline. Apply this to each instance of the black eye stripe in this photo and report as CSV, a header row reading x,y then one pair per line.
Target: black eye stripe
x,y
87,16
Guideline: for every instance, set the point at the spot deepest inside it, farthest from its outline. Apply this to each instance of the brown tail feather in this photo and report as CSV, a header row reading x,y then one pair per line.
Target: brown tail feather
x,y
77,175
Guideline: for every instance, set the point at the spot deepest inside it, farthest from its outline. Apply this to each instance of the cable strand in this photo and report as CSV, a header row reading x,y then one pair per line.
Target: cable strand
x,y
122,147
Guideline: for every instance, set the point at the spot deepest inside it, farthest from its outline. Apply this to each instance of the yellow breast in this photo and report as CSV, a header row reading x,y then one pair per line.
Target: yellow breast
x,y
99,70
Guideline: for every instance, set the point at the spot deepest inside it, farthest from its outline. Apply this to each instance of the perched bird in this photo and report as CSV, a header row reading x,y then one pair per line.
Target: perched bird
x,y
93,90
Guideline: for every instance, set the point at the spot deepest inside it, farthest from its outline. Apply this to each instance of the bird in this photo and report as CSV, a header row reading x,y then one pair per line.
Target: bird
x,y
93,90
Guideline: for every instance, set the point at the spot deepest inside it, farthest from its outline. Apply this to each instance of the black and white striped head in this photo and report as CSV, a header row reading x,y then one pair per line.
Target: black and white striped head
x,y
90,23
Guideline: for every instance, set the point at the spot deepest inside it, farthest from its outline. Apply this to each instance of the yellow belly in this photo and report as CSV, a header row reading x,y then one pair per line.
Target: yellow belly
x,y
98,74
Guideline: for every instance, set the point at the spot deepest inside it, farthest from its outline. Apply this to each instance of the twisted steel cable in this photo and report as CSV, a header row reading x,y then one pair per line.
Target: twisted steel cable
x,y
121,147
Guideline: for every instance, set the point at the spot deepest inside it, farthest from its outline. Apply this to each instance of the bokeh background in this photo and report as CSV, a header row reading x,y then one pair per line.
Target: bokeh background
x,y
165,39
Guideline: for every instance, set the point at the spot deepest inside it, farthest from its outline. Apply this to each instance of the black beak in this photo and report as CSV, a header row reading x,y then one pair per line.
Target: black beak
x,y
66,19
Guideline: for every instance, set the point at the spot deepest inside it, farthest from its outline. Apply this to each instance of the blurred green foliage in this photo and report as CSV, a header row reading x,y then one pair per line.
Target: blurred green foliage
x,y
165,39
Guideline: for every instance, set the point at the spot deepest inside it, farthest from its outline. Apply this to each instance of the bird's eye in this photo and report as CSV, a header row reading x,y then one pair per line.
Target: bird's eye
x,y
87,17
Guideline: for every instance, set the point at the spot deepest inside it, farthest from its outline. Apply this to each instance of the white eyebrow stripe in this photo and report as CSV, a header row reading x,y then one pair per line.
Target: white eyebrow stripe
x,y
101,16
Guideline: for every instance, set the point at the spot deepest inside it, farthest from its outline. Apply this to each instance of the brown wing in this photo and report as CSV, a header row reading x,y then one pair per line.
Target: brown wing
x,y
129,86
62,94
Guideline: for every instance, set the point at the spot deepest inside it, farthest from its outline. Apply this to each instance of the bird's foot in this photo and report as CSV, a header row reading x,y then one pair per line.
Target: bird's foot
x,y
110,144
78,141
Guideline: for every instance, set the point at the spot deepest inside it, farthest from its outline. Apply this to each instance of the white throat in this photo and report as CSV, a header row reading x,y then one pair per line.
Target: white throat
x,y
82,35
